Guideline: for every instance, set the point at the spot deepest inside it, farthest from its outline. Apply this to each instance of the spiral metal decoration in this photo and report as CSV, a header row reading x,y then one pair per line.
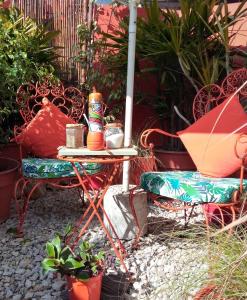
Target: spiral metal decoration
x,y
213,94
70,100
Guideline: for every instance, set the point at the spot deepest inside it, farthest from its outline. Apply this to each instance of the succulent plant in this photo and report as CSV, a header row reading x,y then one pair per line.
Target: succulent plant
x,y
81,263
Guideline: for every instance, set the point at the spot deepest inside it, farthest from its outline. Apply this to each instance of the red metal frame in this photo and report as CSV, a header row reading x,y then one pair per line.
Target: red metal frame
x,y
207,98
23,194
70,100
29,96
96,201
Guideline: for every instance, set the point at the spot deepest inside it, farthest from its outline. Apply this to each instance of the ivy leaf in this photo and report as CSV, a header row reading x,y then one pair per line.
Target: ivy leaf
x,y
50,264
65,253
57,244
100,255
50,249
68,229
85,246
72,263
94,269
83,256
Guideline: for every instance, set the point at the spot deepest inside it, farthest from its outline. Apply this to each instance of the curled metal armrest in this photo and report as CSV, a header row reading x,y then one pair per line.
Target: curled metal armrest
x,y
146,133
17,131
242,139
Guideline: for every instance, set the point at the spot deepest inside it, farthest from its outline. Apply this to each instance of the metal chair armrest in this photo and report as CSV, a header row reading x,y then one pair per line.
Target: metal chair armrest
x,y
242,139
146,134
17,131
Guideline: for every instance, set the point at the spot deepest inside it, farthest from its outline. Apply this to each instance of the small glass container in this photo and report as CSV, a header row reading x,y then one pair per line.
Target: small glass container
x,y
114,135
74,135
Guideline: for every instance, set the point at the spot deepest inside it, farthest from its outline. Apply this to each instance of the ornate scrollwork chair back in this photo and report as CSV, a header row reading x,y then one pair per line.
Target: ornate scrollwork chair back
x,y
70,100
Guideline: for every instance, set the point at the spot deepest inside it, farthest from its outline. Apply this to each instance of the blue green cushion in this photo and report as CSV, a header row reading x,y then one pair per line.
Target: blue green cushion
x,y
191,187
53,168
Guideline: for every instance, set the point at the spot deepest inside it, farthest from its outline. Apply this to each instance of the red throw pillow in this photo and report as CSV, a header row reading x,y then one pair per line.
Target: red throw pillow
x,y
46,132
214,153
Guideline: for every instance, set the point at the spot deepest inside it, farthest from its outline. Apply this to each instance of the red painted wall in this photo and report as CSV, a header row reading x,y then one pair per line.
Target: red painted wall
x,y
240,28
6,3
143,115
108,20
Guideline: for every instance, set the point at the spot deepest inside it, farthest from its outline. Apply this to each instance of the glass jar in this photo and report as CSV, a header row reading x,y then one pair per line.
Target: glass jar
x,y
114,135
74,135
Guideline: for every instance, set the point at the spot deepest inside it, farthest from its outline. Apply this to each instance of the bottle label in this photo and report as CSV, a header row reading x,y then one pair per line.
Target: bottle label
x,y
95,113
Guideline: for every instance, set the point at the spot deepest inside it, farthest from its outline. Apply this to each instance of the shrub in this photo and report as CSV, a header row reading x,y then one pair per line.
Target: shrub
x,y
26,55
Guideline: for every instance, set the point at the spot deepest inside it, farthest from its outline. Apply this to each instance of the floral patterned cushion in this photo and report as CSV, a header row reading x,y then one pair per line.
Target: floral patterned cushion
x,y
53,168
190,186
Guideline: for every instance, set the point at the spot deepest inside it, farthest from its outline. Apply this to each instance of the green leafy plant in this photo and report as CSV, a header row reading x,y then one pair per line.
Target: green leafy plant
x,y
26,55
103,68
183,50
227,261
81,263
196,42
188,50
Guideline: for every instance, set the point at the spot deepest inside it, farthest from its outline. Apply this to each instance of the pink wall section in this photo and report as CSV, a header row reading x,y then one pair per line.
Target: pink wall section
x,y
240,28
109,18
6,3
109,22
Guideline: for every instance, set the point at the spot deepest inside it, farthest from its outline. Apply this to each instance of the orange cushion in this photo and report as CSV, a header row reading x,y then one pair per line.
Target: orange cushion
x,y
46,132
214,153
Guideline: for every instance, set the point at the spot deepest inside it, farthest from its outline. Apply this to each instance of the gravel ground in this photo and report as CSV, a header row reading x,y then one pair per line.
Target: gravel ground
x,y
166,266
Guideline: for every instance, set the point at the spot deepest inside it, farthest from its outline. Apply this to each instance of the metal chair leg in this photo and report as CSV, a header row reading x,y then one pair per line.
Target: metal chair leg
x,y
22,203
187,217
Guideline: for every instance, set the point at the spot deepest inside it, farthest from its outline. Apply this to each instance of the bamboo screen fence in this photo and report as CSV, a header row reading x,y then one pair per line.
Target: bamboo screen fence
x,y
64,16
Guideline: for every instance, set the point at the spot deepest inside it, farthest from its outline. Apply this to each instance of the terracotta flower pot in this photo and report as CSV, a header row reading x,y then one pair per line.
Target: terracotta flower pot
x,y
12,150
175,160
8,175
85,290
140,165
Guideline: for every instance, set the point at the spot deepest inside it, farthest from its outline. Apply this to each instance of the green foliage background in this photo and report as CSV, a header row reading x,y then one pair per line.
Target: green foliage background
x,y
26,55
185,51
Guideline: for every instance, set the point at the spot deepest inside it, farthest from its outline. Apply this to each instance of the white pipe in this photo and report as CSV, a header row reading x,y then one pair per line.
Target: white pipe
x,y
129,88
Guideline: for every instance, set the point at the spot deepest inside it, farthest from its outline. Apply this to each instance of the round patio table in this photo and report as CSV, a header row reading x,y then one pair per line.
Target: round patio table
x,y
95,187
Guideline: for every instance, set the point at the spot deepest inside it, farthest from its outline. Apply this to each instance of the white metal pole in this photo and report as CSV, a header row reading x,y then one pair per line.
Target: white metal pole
x,y
130,88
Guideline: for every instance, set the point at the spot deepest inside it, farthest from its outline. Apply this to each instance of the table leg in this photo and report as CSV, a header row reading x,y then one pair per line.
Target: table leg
x,y
98,199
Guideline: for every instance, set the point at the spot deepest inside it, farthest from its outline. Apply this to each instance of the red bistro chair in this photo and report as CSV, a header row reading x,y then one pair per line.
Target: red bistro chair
x,y
38,171
170,189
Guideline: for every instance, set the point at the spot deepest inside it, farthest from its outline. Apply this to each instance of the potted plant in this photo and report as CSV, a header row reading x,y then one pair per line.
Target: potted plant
x,y
26,55
83,269
183,67
8,176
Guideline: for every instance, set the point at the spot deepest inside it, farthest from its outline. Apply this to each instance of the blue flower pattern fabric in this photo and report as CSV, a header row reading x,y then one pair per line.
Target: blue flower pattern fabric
x,y
54,168
191,187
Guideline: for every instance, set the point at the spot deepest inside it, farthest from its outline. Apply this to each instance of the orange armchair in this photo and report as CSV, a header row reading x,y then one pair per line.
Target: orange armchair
x,y
182,190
